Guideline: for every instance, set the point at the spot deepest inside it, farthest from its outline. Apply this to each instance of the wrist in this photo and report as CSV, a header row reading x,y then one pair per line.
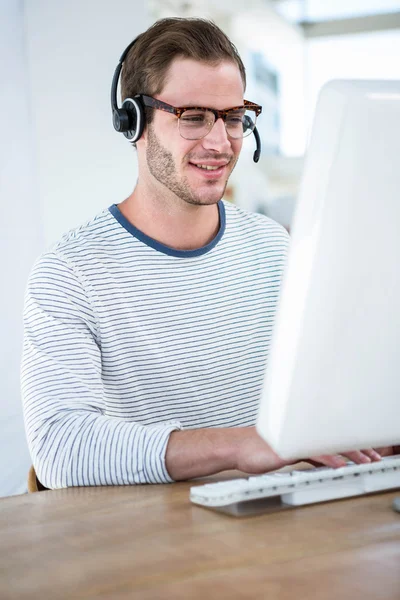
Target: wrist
x,y
201,452
226,444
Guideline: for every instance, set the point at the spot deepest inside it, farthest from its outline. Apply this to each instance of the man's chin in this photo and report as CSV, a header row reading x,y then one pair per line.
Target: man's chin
x,y
208,199
196,201
211,196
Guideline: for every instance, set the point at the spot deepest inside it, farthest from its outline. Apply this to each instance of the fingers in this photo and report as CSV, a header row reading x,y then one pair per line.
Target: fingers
x,y
363,456
386,450
373,454
329,460
357,456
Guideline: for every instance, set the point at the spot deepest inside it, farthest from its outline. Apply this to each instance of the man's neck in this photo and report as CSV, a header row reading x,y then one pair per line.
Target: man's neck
x,y
176,224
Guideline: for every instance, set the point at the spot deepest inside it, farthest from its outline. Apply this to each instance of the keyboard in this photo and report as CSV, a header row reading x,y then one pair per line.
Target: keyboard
x,y
297,488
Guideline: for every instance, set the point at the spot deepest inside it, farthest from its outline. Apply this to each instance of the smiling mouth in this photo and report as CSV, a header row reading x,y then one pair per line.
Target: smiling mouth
x,y
208,167
210,172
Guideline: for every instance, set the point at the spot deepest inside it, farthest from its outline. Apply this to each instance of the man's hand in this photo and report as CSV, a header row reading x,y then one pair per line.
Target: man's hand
x,y
254,455
201,452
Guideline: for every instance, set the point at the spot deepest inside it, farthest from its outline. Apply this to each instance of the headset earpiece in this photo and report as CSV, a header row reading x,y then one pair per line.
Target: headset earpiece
x,y
134,110
130,118
120,120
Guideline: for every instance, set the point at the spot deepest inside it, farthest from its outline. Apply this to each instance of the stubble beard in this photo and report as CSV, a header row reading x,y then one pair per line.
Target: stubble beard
x,y
162,166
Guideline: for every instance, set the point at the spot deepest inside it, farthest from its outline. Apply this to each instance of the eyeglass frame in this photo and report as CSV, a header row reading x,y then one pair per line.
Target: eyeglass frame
x,y
151,102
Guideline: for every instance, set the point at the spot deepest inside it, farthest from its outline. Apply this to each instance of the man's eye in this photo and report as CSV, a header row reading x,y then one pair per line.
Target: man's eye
x,y
195,118
235,121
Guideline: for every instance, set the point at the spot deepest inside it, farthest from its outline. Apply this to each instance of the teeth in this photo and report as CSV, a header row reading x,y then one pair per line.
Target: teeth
x,y
207,167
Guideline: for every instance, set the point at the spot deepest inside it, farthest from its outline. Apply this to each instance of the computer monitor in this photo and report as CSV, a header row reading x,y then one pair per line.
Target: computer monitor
x,y
332,381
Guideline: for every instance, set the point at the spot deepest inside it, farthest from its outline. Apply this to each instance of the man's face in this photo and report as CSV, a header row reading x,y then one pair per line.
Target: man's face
x,y
178,164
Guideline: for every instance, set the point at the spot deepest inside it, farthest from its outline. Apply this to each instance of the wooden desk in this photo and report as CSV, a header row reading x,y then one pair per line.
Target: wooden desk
x,y
151,542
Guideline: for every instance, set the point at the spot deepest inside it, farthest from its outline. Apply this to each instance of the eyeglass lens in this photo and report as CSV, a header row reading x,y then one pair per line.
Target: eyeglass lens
x,y
196,124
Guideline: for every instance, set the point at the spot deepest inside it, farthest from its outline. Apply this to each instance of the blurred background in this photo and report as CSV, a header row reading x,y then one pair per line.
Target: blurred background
x,y
61,161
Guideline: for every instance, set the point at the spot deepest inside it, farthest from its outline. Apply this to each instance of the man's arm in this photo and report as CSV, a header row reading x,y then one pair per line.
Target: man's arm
x,y
196,453
72,440
207,451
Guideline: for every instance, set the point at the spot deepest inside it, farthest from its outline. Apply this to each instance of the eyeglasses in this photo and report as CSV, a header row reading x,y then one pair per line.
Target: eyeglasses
x,y
195,122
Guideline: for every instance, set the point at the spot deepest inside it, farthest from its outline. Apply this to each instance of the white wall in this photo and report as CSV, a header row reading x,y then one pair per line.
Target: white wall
x,y
21,237
373,55
73,49
283,45
60,159
328,9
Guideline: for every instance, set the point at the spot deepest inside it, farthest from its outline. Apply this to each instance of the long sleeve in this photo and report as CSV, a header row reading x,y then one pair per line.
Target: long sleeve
x,y
71,439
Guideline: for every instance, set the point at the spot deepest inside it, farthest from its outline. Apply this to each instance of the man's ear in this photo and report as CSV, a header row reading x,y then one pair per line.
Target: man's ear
x,y
143,137
141,144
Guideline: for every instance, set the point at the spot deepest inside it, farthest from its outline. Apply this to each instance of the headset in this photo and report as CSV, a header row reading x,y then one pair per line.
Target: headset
x,y
130,119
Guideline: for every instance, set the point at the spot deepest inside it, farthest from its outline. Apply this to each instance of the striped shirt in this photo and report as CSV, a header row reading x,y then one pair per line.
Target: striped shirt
x,y
127,340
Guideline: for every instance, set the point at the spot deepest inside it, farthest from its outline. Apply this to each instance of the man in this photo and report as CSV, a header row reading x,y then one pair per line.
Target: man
x,y
147,329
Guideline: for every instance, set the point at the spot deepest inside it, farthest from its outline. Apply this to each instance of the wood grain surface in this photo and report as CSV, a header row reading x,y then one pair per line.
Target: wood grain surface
x,y
150,542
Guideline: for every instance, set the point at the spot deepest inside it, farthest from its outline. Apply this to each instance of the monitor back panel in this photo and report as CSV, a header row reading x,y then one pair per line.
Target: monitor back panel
x,y
333,377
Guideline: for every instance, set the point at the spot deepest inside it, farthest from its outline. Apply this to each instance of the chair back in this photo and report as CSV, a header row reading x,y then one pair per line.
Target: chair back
x,y
34,484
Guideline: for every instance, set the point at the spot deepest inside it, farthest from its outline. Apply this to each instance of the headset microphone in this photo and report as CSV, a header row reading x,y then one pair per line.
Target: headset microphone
x,y
130,118
257,151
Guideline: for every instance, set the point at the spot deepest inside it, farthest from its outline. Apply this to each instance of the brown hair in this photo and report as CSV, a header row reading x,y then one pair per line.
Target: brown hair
x,y
146,65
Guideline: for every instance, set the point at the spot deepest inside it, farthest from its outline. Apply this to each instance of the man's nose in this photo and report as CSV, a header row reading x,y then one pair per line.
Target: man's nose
x,y
217,138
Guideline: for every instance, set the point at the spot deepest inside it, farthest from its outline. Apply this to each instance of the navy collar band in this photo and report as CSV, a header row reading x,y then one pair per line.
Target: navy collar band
x,y
117,214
